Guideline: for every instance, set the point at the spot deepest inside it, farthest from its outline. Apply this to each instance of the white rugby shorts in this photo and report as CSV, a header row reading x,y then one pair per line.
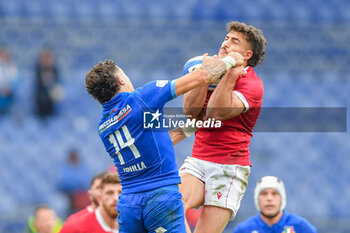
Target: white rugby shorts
x,y
225,184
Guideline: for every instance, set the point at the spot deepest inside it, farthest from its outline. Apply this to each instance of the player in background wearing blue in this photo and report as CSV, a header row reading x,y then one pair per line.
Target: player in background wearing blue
x,y
270,200
145,158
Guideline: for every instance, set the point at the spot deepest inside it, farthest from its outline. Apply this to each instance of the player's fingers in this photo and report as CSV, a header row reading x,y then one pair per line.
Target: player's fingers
x,y
205,58
243,71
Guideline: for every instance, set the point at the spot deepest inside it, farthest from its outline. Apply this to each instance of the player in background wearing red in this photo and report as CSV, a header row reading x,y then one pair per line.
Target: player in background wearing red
x,y
216,175
103,219
94,192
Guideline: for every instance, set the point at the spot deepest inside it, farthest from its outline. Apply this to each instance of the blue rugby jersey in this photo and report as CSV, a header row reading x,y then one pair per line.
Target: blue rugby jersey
x,y
145,158
289,223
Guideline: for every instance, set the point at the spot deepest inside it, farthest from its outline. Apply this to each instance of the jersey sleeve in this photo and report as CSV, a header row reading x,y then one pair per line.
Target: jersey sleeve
x,y
250,92
237,229
308,227
69,227
156,94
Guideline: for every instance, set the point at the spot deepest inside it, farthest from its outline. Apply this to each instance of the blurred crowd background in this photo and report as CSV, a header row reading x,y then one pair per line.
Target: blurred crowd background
x,y
47,47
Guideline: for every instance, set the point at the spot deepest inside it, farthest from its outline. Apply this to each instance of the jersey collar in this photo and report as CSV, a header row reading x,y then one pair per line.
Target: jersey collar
x,y
102,222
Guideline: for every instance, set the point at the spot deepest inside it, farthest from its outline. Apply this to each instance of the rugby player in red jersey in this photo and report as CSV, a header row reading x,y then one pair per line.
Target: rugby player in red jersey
x,y
103,219
216,175
93,193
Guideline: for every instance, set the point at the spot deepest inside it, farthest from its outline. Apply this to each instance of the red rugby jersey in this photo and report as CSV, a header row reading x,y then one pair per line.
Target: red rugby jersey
x,y
87,223
80,213
230,143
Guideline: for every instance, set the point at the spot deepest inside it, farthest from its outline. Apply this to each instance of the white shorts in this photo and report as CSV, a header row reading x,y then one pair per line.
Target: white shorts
x,y
225,184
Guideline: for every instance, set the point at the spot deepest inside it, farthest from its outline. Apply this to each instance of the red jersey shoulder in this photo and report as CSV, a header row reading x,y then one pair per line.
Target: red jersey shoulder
x,y
89,223
70,226
250,86
78,214
85,223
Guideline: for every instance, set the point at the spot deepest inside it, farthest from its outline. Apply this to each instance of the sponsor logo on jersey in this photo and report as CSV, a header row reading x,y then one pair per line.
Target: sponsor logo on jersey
x,y
161,83
288,229
219,194
160,230
112,121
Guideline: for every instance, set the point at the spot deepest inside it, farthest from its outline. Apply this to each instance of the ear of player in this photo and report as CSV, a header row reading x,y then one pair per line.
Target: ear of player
x,y
233,59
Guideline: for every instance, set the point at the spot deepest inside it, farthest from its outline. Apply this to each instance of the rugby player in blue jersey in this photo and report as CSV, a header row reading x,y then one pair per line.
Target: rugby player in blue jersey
x,y
270,200
144,157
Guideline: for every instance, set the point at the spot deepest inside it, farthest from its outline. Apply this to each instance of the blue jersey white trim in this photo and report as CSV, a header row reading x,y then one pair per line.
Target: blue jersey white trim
x,y
173,89
288,221
145,158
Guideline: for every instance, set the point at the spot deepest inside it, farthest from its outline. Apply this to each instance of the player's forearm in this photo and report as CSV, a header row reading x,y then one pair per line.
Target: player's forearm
x,y
210,72
194,101
222,105
177,135
191,81
221,97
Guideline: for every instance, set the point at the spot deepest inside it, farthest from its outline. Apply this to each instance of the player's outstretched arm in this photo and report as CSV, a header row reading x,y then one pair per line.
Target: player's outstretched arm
x,y
177,135
211,70
180,133
194,101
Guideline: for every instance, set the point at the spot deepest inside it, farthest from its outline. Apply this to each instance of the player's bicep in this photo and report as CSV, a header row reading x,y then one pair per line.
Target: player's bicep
x,y
237,107
250,94
233,109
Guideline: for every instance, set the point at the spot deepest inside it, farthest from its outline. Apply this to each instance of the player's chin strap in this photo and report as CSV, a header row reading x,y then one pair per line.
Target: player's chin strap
x,y
188,131
229,62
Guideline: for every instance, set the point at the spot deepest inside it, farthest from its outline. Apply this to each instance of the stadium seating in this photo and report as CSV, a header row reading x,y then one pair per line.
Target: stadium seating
x,y
306,66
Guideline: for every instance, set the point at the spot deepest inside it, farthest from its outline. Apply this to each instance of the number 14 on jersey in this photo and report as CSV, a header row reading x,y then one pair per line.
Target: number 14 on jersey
x,y
116,138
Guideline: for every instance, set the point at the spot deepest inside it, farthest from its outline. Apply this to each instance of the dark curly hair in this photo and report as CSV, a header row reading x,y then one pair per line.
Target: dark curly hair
x,y
101,82
254,37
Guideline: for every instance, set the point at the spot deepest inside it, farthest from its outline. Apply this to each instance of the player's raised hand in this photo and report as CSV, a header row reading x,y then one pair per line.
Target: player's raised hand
x,y
215,67
236,72
238,58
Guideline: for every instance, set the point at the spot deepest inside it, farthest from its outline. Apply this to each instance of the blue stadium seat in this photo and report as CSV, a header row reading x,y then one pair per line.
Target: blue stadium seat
x,y
152,40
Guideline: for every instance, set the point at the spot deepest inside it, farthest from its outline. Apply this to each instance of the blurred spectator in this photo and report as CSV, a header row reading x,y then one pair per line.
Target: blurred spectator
x,y
270,200
94,196
73,180
8,80
44,221
112,168
103,219
48,91
94,191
